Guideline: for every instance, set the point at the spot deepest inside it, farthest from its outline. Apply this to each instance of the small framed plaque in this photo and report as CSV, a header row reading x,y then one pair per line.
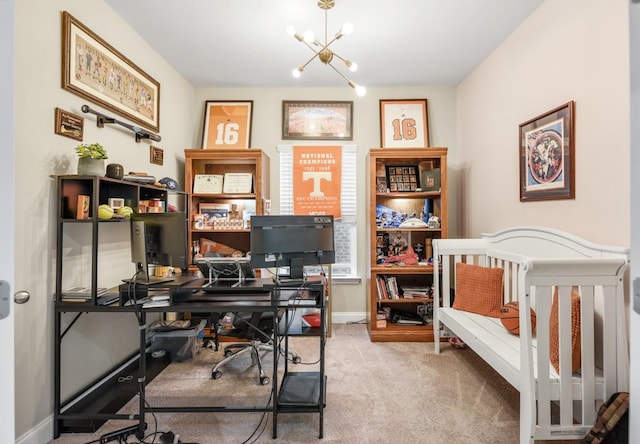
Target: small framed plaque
x,y
156,155
237,183
207,184
69,124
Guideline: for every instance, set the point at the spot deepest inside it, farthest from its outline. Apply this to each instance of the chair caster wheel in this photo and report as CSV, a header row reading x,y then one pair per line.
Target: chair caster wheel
x,y
296,360
216,375
227,353
264,380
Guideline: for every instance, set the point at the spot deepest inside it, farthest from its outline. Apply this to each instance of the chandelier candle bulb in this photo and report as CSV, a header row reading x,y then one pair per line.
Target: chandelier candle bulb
x,y
324,54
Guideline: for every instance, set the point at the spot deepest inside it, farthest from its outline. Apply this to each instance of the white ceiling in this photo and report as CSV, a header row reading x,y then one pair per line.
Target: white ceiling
x,y
243,43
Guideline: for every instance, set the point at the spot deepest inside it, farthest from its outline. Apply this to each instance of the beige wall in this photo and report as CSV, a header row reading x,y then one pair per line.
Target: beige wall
x,y
566,50
570,50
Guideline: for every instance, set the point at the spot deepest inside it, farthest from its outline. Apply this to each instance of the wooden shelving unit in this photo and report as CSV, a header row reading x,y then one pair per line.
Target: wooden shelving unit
x,y
220,162
70,227
410,201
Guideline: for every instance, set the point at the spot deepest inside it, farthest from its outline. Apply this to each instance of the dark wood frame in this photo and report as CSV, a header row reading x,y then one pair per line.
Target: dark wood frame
x,y
96,87
407,179
291,107
553,177
69,124
416,123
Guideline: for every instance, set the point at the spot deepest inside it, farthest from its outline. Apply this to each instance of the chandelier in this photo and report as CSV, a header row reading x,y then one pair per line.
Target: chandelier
x,y
322,51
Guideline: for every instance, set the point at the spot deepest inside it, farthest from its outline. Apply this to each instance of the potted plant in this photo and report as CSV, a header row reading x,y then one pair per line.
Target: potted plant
x,y
91,159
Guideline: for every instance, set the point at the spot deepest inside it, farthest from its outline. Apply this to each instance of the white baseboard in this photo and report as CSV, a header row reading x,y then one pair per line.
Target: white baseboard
x,y
42,432
347,317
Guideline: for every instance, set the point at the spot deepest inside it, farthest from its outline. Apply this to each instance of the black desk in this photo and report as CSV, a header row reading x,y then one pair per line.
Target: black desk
x,y
256,295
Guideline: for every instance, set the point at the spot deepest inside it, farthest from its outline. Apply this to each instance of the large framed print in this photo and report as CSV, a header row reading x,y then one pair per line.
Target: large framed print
x,y
317,120
547,160
96,71
404,123
227,124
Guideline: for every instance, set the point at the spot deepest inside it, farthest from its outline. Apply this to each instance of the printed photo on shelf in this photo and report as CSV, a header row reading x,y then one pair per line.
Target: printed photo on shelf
x,y
387,217
398,243
213,211
381,184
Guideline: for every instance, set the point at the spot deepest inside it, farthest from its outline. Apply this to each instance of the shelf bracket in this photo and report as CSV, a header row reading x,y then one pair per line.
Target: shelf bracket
x,y
140,133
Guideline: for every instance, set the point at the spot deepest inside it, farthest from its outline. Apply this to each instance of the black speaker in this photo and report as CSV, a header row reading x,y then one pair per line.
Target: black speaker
x,y
296,269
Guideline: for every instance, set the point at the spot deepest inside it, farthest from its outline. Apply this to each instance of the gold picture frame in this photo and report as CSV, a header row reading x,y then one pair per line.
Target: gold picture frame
x,y
227,124
96,71
317,120
404,123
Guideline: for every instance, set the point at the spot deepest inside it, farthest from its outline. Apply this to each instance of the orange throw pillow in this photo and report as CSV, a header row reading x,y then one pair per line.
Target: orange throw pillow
x,y
478,289
554,352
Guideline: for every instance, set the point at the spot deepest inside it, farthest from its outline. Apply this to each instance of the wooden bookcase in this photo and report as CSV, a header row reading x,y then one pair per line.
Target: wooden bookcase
x,y
233,236
396,178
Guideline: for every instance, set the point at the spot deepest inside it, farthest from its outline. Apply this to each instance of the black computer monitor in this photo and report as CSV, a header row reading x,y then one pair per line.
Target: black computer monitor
x,y
159,239
291,241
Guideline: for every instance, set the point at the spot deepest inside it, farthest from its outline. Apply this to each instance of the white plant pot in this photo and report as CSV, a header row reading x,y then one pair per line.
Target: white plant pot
x,y
90,167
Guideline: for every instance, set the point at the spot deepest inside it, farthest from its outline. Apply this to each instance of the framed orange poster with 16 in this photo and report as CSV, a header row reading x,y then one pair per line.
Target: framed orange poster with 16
x,y
227,124
404,123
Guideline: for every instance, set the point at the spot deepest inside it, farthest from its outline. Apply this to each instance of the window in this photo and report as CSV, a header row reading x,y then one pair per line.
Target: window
x,y
345,228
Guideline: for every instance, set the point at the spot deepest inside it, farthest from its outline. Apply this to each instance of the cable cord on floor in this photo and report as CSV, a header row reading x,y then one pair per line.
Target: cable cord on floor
x,y
262,424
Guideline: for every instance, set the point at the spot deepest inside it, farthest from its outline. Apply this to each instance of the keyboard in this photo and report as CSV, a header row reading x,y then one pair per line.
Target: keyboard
x,y
289,282
152,304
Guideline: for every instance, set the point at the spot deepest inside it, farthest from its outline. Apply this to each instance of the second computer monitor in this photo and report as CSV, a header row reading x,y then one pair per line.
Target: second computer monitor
x,y
159,239
291,241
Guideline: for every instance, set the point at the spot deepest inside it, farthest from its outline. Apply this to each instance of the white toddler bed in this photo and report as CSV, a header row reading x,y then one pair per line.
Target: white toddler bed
x,y
537,262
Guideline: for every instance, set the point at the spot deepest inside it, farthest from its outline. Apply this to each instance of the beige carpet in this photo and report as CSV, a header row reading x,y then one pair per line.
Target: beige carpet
x,y
376,393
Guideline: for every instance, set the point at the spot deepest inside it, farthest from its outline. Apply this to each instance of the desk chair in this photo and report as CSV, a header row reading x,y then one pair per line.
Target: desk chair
x,y
258,329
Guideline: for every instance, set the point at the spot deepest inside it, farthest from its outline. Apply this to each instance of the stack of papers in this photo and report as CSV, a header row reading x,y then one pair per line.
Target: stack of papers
x,y
80,293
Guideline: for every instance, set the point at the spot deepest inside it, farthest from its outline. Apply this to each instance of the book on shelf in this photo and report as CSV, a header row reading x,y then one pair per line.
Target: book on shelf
x,y
72,299
379,287
392,283
383,287
387,287
81,292
406,318
83,206
416,293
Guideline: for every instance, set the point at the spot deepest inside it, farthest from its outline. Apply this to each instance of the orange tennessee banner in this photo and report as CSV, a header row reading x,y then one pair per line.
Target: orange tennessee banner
x,y
317,178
